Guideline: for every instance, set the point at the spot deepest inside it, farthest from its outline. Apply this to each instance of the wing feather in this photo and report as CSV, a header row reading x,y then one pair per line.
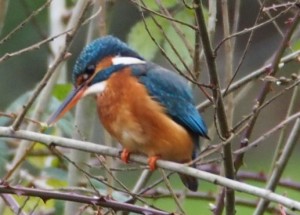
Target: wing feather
x,y
171,90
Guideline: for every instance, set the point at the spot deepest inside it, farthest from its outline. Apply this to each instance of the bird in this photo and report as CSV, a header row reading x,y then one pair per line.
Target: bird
x,y
147,108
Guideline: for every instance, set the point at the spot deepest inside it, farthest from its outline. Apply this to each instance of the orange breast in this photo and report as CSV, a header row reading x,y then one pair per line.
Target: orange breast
x,y
139,123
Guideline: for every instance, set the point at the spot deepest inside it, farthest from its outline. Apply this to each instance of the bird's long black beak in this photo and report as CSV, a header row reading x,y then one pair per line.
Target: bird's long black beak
x,y
69,102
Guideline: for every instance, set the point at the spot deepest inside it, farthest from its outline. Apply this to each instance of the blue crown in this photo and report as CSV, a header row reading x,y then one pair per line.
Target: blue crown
x,y
99,49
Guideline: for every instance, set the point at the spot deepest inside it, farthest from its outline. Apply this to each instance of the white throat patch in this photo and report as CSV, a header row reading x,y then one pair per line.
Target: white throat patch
x,y
126,60
95,88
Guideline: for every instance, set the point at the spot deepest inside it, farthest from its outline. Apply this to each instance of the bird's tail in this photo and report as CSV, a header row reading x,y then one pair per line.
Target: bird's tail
x,y
189,181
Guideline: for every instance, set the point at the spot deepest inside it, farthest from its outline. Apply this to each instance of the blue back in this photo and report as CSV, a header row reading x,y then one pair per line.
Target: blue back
x,y
172,91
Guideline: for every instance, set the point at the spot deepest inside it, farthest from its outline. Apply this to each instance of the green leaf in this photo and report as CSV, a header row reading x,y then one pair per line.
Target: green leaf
x,y
65,124
177,41
140,40
55,173
17,103
152,5
296,45
61,91
102,188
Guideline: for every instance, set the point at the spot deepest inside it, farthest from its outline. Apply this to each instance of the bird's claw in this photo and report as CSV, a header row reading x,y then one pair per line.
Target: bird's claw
x,y
152,162
125,154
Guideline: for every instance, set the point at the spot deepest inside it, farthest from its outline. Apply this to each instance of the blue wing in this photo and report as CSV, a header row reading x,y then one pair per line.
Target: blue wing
x,y
170,90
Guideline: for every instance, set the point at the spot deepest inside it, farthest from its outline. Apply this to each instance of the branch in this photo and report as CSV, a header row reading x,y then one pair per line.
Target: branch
x,y
281,164
12,204
267,134
253,176
218,100
52,141
266,103
267,86
60,58
292,106
25,21
252,76
256,26
103,201
162,15
163,193
82,131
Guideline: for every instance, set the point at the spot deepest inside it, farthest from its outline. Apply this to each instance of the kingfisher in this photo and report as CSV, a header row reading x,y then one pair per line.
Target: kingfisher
x,y
148,109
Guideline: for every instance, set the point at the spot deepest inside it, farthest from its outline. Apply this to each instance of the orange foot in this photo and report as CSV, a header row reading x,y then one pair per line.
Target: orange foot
x,y
125,155
152,162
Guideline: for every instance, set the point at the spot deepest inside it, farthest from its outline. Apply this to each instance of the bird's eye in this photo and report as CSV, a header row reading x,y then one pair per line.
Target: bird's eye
x,y
90,69
87,73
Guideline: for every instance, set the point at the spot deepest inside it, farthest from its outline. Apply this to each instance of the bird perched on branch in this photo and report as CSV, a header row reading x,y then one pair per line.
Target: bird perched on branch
x,y
147,108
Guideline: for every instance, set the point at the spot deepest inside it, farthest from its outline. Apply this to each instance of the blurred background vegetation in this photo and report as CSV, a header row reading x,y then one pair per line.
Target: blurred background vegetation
x,y
21,74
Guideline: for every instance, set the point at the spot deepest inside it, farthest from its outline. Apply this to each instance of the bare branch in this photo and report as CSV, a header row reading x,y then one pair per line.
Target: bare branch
x,y
268,133
252,76
266,87
52,141
218,99
103,201
280,166
60,58
25,21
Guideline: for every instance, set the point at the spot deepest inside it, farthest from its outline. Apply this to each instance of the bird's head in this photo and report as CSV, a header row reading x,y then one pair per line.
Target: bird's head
x,y
96,63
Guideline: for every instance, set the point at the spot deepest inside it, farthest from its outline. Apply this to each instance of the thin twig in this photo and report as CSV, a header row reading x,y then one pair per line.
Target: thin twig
x,y
176,52
251,29
252,176
270,16
25,21
32,47
60,58
174,196
192,80
12,204
163,16
280,165
160,193
13,116
267,134
179,32
292,106
265,104
252,76
243,56
266,87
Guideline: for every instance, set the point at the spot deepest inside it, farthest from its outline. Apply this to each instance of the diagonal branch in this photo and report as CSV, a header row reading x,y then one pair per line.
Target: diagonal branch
x,y
248,78
60,58
281,164
267,134
267,86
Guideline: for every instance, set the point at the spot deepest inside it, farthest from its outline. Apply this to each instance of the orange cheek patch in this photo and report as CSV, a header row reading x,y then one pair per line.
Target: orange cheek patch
x,y
104,63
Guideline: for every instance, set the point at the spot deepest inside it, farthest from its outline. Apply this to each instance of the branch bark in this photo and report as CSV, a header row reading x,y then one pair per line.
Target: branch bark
x,y
52,141
218,100
103,201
